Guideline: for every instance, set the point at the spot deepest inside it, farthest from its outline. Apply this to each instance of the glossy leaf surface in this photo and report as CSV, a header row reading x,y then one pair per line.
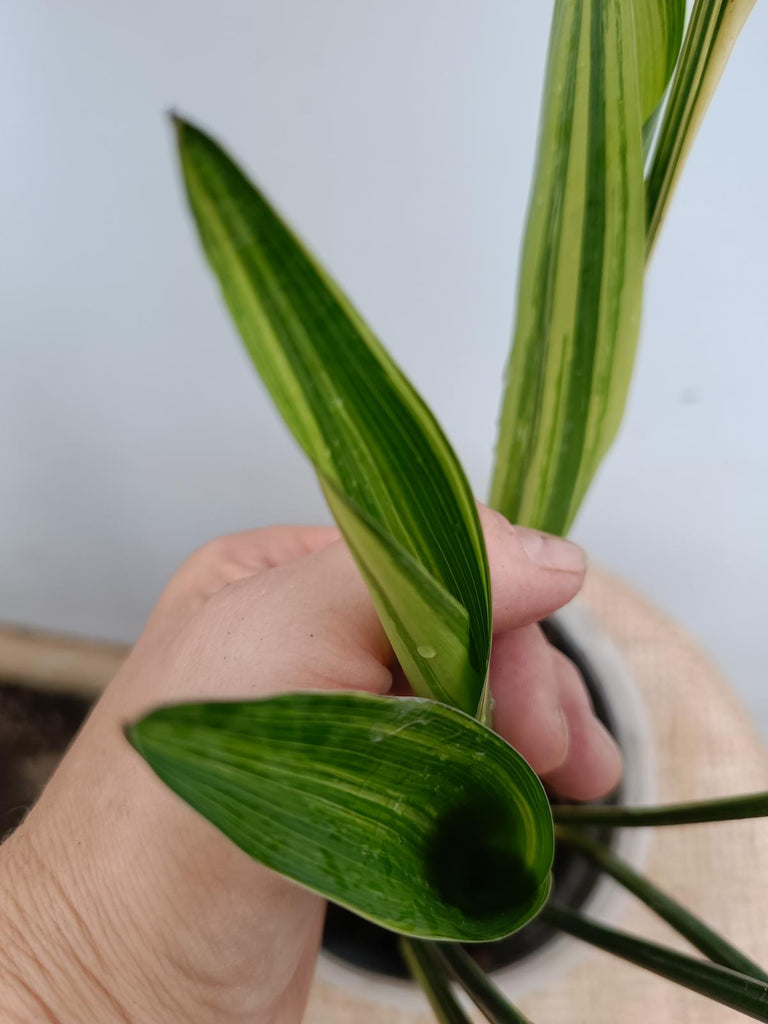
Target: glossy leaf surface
x,y
408,812
397,488
582,271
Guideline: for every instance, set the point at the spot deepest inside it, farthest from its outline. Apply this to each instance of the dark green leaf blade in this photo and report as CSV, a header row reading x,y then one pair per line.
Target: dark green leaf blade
x,y
407,811
367,432
582,271
741,993
682,920
729,808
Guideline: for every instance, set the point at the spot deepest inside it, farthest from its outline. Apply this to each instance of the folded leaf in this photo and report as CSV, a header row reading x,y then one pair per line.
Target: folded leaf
x,y
712,31
408,812
367,432
582,271
432,626
659,32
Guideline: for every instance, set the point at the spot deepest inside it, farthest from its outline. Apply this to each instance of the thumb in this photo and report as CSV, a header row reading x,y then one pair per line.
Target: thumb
x,y
322,617
532,573
313,621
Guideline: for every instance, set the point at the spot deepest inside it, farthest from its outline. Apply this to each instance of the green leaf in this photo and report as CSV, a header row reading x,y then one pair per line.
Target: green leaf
x,y
582,271
683,921
730,808
407,811
431,624
493,1004
712,31
659,32
430,973
741,993
397,488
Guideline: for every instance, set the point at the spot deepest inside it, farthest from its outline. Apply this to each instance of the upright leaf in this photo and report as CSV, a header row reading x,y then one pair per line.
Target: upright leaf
x,y
407,811
582,270
713,29
393,481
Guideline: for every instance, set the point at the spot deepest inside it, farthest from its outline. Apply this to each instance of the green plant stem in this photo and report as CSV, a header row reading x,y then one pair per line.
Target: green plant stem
x,y
429,971
478,986
747,995
731,808
683,921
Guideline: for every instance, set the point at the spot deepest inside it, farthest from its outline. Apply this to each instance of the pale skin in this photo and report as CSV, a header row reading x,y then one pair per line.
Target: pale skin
x,y
119,903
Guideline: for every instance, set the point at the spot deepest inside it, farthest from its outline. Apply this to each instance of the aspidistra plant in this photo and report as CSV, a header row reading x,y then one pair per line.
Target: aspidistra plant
x,y
255,769
341,765
592,221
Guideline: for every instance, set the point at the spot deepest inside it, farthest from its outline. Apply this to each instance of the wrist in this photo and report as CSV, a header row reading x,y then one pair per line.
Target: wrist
x,y
42,956
71,943
123,905
20,969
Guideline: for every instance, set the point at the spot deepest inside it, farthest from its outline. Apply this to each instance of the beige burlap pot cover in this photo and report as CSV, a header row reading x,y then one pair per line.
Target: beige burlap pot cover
x,y
705,747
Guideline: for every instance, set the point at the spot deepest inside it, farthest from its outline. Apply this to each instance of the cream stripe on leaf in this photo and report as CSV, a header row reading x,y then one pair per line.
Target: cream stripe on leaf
x,y
582,270
398,490
712,32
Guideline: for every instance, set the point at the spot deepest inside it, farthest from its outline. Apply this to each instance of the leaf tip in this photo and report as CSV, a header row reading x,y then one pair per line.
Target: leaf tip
x,y
185,130
178,123
132,732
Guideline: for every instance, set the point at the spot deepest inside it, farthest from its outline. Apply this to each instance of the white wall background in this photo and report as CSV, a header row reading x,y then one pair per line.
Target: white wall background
x,y
399,138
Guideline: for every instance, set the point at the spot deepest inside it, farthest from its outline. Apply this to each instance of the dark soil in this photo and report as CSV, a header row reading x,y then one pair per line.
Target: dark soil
x,y
36,728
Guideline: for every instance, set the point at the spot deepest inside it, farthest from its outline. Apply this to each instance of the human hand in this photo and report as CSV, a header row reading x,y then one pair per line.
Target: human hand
x,y
123,904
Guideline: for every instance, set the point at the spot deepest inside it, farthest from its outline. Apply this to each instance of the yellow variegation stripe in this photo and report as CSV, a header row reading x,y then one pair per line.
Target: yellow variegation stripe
x,y
582,270
368,433
429,627
713,30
